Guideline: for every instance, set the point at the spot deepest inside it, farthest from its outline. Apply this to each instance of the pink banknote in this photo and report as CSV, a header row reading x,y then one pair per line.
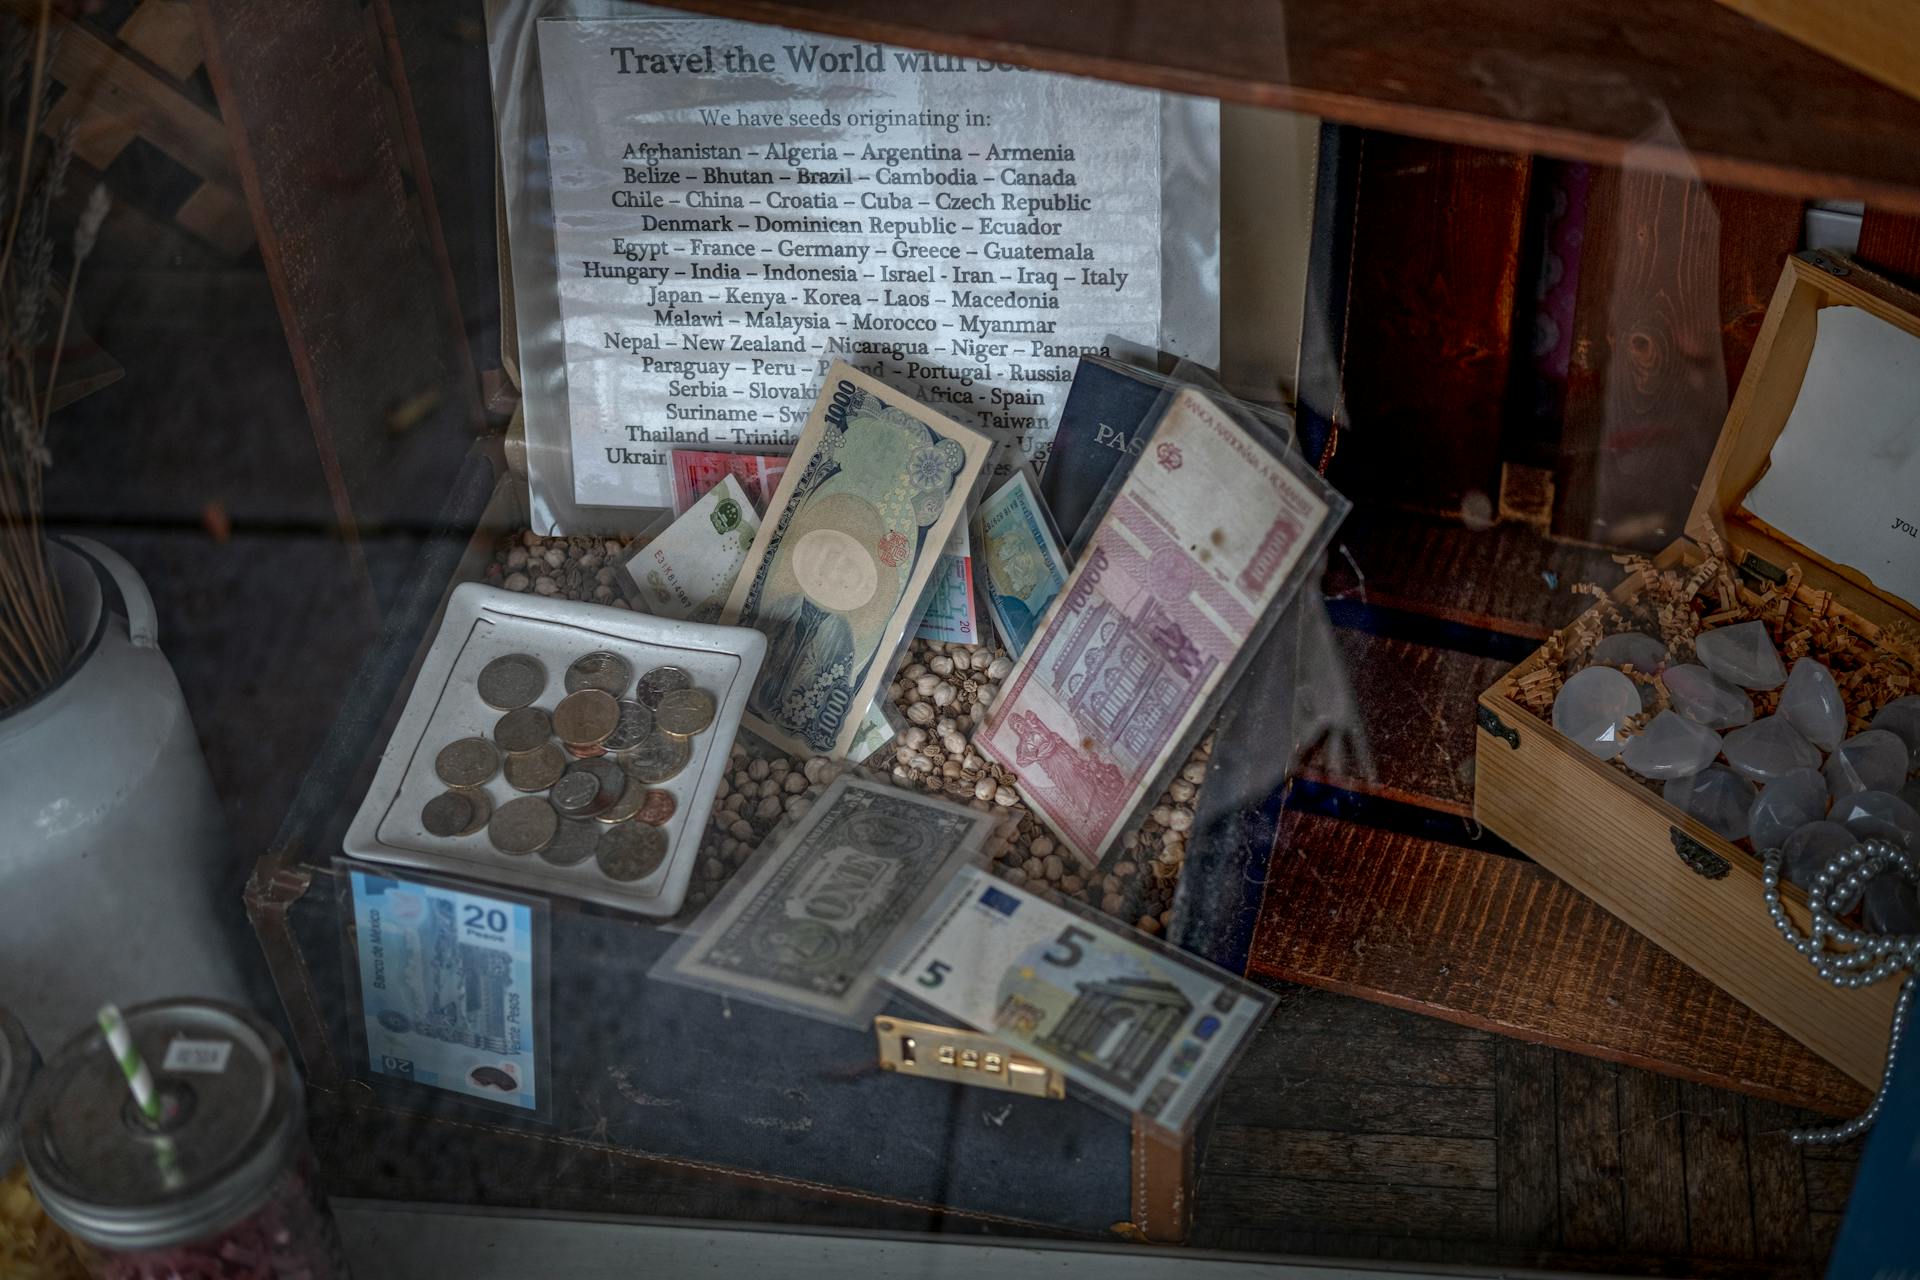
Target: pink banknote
x,y
1202,538
697,470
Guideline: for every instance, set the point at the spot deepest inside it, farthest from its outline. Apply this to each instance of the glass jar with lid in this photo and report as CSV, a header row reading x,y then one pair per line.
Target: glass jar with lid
x,y
220,1187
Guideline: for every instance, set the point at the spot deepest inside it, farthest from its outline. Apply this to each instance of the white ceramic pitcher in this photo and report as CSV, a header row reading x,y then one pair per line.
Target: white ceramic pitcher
x,y
115,878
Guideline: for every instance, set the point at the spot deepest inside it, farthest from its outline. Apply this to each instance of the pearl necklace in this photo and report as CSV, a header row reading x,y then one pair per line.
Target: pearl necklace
x,y
1874,957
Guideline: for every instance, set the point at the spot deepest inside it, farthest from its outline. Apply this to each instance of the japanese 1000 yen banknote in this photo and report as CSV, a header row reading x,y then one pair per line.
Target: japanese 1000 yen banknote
x,y
806,925
1139,1024
875,488
1198,543
696,471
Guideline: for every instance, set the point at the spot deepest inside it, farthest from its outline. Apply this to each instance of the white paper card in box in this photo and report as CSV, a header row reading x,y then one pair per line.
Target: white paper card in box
x,y
483,623
1844,477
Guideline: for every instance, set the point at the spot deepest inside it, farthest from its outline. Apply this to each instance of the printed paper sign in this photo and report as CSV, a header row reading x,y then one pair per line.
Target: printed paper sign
x,y
736,206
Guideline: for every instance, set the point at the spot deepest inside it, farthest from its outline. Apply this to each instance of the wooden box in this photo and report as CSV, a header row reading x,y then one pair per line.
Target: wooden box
x,y
1600,829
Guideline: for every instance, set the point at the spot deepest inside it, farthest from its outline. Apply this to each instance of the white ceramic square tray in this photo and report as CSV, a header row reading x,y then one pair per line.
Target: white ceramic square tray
x,y
483,623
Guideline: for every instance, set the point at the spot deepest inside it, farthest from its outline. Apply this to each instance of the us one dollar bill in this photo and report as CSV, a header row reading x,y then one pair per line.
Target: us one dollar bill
x,y
805,926
689,569
875,488
1144,1026
1207,535
1020,560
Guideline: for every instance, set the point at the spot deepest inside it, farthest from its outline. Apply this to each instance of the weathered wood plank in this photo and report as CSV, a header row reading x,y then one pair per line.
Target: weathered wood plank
x,y
1417,702
1271,1200
1398,1159
1653,1165
301,86
1436,253
1502,945
1891,242
1719,1187
1781,1226
1506,578
1675,277
1705,97
1529,1190
1359,1108
1592,1205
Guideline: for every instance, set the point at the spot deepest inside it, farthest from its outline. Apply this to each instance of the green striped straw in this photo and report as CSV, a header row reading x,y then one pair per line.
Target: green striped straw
x,y
132,1065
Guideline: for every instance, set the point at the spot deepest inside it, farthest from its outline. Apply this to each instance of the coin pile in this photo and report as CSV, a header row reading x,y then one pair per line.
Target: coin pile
x,y
590,768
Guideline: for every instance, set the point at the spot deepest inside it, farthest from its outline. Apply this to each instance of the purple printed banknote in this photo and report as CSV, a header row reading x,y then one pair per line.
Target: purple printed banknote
x,y
1201,539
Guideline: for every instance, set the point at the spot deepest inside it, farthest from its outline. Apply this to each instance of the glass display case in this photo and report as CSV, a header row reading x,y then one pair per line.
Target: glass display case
x,y
1305,610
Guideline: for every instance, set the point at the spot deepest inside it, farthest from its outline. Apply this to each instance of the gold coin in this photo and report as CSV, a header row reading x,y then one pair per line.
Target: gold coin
x,y
684,712
657,809
523,826
482,806
629,803
536,770
448,813
630,851
659,757
467,763
522,729
585,718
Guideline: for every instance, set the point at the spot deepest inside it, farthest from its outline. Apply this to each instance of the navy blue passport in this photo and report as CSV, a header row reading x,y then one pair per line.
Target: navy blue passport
x,y
1108,406
1105,422
1877,1238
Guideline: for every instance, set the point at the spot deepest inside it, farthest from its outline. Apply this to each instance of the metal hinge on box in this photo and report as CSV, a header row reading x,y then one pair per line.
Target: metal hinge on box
x,y
960,1056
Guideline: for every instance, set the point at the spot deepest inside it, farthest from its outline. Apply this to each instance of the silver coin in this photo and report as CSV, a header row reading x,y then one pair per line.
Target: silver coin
x,y
607,672
469,762
447,814
573,843
575,793
660,682
630,851
523,826
522,729
512,681
636,722
659,757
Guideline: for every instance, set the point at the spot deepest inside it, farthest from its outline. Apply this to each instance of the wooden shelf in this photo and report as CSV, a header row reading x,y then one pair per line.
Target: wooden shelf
x,y
1685,87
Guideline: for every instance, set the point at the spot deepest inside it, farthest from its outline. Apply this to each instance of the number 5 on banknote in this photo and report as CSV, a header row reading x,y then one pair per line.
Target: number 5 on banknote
x,y
1141,1025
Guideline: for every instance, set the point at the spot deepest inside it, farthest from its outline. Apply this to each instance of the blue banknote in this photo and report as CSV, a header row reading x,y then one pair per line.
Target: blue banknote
x,y
447,988
1020,562
875,488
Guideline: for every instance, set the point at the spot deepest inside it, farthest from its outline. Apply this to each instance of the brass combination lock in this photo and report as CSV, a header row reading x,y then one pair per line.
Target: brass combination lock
x,y
960,1056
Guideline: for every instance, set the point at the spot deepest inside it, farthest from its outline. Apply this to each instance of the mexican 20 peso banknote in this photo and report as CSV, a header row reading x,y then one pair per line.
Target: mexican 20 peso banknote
x,y
1145,1027
875,488
1198,543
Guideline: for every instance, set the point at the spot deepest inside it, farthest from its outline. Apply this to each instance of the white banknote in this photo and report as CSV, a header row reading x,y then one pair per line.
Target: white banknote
x,y
689,569
1146,1027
